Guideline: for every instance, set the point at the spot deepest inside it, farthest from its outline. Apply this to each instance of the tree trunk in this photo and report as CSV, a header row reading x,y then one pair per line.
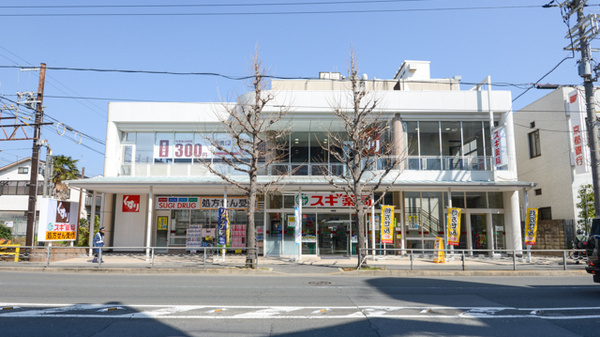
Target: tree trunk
x,y
251,260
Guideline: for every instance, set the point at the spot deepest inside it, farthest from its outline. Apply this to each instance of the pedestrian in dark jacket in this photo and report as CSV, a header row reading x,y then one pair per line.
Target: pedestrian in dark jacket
x,y
98,244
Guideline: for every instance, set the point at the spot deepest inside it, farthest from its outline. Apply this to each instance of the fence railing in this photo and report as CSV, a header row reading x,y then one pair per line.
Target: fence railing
x,y
216,257
473,259
192,257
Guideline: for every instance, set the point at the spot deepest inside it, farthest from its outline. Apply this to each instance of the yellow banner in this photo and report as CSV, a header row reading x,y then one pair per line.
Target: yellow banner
x,y
387,224
453,231
531,226
439,255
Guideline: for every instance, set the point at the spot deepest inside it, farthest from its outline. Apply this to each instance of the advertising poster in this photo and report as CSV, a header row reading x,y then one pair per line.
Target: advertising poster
x,y
531,226
58,220
387,224
453,226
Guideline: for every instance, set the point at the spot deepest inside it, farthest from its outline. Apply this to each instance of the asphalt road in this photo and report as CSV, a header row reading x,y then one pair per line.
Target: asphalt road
x,y
97,304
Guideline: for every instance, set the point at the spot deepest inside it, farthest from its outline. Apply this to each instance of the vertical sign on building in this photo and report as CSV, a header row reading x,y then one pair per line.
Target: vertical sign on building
x,y
499,147
578,133
387,224
453,226
531,226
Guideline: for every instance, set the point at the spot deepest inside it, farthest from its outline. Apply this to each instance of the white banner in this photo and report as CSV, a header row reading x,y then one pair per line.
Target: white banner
x,y
581,152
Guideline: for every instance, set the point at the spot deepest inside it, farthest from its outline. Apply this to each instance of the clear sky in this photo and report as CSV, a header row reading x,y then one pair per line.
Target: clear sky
x,y
516,42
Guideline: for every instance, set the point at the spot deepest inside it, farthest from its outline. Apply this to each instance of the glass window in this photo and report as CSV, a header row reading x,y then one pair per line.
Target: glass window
x,y
458,199
412,138
23,170
128,137
318,148
473,144
534,144
451,145
144,146
496,200
162,149
299,147
429,136
476,200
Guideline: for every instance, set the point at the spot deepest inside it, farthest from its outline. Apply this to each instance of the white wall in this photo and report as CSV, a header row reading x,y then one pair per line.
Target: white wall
x,y
130,227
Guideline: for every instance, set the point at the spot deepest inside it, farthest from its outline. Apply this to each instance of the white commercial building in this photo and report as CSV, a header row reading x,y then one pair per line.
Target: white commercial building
x,y
460,153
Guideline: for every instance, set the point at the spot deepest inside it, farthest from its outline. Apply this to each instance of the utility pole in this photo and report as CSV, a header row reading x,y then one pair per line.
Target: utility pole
x,y
581,35
35,157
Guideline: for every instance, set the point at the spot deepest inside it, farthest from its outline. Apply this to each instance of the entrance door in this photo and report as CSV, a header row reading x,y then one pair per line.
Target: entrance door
x,y
334,232
162,228
479,231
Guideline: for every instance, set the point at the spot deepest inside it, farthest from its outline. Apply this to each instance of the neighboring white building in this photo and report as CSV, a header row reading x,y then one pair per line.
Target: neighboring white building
x,y
14,194
553,152
157,194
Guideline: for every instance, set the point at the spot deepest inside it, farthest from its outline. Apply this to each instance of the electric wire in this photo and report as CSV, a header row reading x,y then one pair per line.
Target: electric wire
x,y
311,12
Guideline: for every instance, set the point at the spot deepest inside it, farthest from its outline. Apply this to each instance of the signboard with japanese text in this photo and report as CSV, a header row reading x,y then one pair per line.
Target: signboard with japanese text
x,y
387,224
58,220
334,200
581,152
131,203
170,146
499,147
453,226
161,223
240,203
531,226
177,203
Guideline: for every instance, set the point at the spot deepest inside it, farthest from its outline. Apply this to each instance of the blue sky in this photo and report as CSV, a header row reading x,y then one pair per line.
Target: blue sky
x,y
516,42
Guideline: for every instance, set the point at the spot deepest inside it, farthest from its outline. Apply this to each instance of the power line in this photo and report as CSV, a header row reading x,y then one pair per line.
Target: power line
x,y
261,4
361,11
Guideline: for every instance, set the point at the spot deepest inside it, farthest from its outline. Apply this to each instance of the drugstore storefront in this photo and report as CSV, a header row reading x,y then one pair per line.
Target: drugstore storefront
x,y
147,213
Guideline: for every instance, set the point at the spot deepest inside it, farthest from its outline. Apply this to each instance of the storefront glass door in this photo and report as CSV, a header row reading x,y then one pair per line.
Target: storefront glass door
x,y
334,233
479,231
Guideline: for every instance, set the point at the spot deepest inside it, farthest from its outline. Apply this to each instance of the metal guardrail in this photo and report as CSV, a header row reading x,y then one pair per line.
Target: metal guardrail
x,y
15,253
473,259
131,256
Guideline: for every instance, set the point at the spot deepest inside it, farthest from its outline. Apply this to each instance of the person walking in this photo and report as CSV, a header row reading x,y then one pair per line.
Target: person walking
x,y
98,244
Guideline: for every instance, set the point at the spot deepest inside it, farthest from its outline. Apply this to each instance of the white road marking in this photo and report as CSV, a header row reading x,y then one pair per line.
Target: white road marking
x,y
29,310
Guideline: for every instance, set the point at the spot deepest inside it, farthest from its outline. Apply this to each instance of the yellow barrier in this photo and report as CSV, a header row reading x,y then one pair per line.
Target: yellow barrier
x,y
15,253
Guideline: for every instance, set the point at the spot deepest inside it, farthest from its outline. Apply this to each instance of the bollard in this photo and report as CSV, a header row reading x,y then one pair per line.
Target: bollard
x,y
463,260
204,259
99,256
514,260
152,258
412,258
48,256
565,259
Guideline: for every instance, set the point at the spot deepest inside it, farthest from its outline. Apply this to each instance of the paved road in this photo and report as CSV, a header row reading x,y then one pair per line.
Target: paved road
x,y
95,304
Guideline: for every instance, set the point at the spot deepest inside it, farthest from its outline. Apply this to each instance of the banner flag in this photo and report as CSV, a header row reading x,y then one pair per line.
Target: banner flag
x,y
387,224
453,226
531,226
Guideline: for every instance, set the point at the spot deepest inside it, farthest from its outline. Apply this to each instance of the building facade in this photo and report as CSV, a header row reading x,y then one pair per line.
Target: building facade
x,y
554,152
457,147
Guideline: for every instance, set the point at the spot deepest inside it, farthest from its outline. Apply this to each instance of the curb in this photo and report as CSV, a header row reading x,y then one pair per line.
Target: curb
x,y
269,271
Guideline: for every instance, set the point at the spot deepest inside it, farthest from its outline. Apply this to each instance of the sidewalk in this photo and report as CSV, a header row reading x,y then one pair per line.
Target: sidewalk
x,y
335,265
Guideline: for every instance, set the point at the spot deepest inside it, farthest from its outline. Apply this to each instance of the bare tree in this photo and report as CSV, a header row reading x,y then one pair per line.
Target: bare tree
x,y
367,161
255,144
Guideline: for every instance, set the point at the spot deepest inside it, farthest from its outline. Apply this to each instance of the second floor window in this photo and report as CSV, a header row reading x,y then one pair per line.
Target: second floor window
x,y
534,144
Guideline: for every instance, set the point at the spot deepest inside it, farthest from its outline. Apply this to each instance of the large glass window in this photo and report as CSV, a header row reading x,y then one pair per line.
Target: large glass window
x,y
183,150
473,145
164,147
430,144
451,145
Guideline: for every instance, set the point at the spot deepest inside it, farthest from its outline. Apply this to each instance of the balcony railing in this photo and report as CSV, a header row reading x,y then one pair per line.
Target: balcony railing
x,y
419,163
